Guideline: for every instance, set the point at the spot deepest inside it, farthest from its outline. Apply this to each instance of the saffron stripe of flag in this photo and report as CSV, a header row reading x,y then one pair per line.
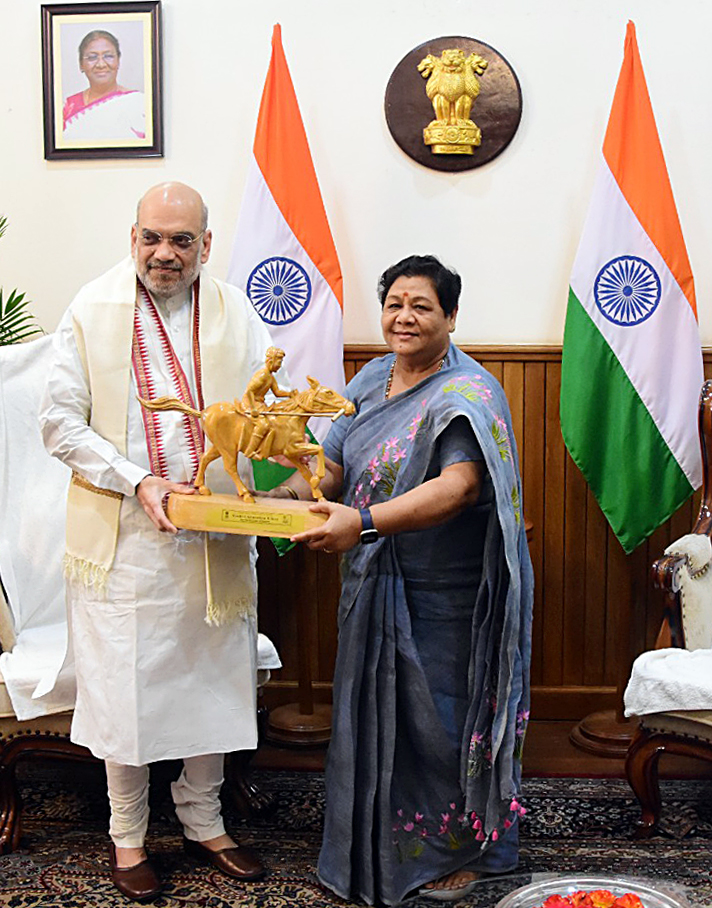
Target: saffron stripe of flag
x,y
632,360
283,254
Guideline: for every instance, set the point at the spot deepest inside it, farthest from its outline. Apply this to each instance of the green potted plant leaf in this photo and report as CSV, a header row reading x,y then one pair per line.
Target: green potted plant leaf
x,y
17,323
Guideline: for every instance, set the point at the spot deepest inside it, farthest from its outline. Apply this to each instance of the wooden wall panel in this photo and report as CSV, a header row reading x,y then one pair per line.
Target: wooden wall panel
x,y
594,606
551,616
595,532
532,467
576,633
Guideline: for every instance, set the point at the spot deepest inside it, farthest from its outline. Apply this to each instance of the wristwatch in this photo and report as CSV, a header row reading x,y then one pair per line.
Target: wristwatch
x,y
369,533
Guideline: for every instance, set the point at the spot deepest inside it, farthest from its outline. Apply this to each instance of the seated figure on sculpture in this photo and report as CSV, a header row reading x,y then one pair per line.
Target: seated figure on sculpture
x,y
276,431
253,403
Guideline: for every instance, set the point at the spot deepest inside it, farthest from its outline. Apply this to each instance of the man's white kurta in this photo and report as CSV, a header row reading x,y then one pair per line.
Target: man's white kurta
x,y
154,681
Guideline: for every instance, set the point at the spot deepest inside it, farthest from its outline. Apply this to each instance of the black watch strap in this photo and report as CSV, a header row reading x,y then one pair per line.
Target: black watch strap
x,y
369,533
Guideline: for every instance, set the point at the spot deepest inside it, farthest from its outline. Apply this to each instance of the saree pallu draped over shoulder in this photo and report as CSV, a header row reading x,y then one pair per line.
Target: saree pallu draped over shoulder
x,y
405,803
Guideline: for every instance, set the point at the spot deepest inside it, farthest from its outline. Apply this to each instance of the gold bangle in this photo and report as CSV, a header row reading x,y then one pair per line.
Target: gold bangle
x,y
292,492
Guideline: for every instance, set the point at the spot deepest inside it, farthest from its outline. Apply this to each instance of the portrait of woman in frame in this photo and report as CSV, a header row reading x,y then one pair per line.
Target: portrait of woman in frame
x,y
102,80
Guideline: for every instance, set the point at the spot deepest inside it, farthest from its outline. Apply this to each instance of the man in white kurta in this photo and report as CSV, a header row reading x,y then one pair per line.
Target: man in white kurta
x,y
155,679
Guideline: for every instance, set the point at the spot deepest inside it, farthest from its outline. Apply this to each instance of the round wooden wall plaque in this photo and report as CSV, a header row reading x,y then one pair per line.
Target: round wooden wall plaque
x,y
495,112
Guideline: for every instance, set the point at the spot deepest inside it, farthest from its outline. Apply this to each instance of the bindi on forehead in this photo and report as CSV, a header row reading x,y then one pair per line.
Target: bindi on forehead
x,y
406,297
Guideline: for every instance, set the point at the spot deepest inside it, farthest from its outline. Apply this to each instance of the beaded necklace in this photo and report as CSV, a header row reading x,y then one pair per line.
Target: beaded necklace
x,y
392,370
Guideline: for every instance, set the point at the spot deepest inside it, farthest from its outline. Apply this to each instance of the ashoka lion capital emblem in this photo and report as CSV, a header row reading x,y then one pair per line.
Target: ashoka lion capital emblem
x,y
452,87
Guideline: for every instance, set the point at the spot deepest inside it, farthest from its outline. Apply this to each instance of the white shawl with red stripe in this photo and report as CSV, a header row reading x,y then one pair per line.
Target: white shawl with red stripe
x,y
103,320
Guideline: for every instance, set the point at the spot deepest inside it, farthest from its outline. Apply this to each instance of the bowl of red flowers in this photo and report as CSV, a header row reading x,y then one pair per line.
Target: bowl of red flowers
x,y
594,892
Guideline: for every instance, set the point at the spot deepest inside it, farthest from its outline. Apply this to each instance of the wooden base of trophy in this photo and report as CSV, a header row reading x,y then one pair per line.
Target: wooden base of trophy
x,y
230,514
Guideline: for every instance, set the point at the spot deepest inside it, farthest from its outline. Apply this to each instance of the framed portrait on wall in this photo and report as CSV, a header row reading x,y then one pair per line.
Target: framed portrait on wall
x,y
101,65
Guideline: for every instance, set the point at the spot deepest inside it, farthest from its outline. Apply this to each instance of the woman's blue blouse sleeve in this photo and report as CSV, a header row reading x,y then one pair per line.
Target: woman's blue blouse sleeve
x,y
457,443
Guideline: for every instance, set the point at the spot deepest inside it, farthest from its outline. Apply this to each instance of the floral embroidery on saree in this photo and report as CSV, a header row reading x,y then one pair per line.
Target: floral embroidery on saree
x,y
473,387
501,438
516,504
479,758
453,826
520,732
379,478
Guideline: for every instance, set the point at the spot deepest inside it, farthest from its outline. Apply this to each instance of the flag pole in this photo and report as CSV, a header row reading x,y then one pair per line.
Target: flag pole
x,y
608,733
306,723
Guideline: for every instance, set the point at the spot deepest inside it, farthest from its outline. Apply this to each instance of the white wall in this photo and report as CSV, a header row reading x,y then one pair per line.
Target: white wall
x,y
511,227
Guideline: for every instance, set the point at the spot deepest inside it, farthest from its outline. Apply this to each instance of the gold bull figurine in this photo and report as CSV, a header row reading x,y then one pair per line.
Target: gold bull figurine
x,y
230,426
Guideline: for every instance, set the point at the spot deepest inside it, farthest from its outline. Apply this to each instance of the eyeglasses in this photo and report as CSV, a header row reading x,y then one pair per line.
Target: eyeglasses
x,y
108,58
181,241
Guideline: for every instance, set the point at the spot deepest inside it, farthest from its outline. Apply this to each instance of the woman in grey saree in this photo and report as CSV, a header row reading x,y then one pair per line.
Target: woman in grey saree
x,y
431,688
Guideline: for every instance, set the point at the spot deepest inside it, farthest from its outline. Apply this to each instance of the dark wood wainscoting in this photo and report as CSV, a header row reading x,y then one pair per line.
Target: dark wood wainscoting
x,y
588,592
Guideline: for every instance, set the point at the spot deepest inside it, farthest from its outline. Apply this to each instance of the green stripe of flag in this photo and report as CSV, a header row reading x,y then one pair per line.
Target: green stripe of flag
x,y
612,437
267,475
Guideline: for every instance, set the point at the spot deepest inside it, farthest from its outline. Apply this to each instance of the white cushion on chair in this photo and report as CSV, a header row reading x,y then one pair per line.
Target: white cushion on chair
x,y
6,710
668,680
30,673
699,716
54,725
693,723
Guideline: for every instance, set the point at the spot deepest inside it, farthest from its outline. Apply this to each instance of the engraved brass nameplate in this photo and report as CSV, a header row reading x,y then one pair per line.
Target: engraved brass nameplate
x,y
229,514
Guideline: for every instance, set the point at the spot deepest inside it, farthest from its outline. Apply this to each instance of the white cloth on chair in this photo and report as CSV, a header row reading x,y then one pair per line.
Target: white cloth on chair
x,y
665,680
33,489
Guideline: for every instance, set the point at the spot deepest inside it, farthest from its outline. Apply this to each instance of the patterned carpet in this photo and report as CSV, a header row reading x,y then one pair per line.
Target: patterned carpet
x,y
572,826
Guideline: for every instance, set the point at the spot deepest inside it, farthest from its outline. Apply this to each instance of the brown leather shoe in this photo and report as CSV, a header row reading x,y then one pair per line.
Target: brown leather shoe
x,y
241,862
139,882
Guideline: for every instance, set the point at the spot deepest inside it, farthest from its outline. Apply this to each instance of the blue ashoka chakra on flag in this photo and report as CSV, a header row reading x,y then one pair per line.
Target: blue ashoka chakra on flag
x,y
627,290
279,289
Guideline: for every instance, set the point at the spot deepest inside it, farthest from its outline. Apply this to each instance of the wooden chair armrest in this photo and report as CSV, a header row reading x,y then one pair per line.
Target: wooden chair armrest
x,y
666,577
665,573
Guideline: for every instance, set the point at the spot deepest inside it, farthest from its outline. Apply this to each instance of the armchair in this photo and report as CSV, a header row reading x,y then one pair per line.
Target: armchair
x,y
670,688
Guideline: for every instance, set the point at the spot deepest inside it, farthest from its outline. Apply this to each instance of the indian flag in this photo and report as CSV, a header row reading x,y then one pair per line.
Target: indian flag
x,y
632,360
283,255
